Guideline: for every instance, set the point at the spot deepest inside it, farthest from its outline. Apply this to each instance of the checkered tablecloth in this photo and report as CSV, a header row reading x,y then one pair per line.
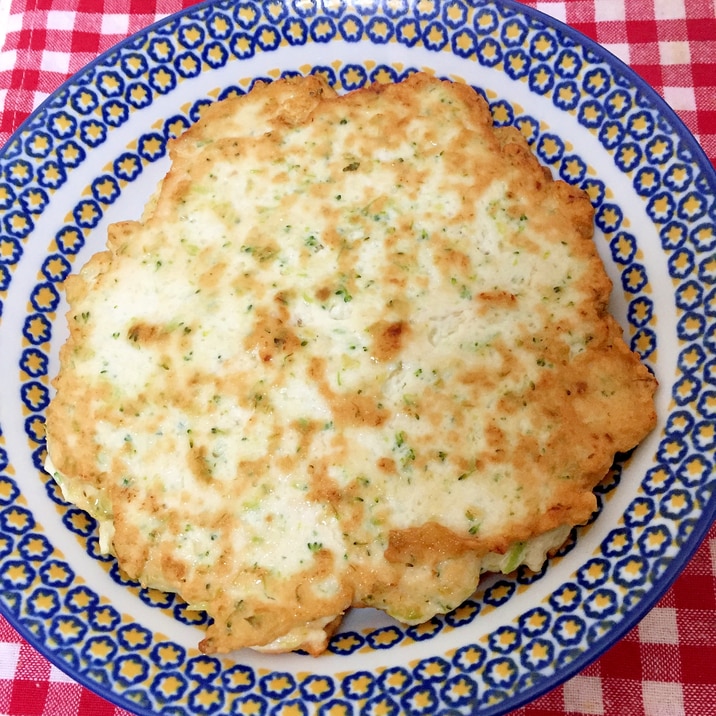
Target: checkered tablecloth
x,y
666,666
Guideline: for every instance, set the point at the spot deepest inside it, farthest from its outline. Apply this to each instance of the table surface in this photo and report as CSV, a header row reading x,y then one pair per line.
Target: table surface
x,y
666,666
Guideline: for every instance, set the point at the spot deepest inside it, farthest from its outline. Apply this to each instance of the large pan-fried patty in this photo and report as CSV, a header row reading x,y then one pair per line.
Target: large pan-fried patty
x,y
356,352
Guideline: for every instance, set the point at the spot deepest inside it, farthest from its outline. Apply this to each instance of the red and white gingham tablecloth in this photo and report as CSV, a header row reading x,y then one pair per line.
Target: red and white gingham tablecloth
x,y
666,666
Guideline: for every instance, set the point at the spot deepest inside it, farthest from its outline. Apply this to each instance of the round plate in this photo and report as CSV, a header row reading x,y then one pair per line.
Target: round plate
x,y
93,153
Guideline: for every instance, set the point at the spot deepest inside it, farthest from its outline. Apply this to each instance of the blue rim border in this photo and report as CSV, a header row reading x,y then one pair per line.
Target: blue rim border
x,y
23,630
624,626
709,514
101,58
676,123
708,517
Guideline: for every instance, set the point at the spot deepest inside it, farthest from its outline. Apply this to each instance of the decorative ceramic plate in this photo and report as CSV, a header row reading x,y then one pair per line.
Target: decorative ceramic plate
x,y
93,153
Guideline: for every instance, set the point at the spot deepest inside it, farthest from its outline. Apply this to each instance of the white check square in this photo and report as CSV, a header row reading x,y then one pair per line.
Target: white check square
x,y
9,654
659,627
607,10
662,699
680,98
583,694
61,20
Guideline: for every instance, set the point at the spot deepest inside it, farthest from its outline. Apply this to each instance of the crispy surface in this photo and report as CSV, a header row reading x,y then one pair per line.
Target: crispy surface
x,y
356,351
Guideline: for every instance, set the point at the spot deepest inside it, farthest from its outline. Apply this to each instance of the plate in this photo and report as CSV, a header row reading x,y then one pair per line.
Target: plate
x,y
96,149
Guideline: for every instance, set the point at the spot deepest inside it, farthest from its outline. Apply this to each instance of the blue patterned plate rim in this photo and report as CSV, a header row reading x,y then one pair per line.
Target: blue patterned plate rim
x,y
677,124
709,514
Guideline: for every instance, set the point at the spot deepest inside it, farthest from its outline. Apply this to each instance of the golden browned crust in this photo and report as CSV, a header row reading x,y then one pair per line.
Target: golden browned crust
x,y
357,348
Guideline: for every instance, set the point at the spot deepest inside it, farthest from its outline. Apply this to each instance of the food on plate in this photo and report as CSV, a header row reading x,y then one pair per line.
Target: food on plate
x,y
356,352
